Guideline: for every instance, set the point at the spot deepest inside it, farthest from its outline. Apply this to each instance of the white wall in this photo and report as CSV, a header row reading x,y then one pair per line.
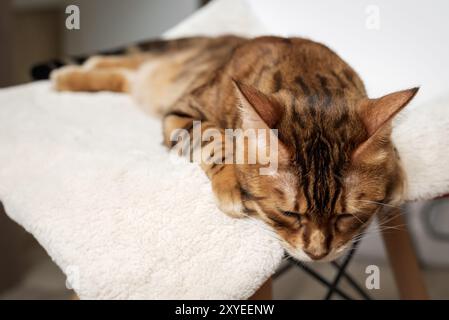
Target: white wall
x,y
409,48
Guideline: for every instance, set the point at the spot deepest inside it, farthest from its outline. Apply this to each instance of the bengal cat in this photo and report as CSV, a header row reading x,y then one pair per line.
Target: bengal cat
x,y
337,166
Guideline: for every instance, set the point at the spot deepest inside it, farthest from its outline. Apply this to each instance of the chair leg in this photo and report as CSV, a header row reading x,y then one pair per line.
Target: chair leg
x,y
402,256
265,292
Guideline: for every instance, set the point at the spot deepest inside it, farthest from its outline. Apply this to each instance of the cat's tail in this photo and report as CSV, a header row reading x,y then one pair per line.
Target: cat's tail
x,y
41,71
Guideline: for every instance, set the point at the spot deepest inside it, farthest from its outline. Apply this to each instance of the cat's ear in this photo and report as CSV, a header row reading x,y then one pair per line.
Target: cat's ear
x,y
260,112
257,110
377,114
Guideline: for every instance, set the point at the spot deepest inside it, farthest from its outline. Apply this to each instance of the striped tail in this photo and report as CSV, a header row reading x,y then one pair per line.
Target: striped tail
x,y
42,71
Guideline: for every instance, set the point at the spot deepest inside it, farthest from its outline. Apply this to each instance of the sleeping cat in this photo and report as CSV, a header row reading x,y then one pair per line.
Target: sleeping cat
x,y
337,166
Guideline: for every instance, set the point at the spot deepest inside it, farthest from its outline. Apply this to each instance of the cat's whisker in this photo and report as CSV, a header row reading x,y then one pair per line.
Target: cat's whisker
x,y
375,202
378,230
385,219
381,227
358,219
363,235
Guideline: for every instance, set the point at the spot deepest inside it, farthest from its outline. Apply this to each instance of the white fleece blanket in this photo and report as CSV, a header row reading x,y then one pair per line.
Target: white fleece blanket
x,y
86,174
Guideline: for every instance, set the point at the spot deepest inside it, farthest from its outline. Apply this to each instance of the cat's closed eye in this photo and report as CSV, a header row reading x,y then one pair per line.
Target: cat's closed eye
x,y
292,214
347,222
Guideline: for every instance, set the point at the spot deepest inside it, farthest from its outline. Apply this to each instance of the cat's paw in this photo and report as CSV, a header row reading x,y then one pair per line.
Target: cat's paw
x,y
229,199
65,78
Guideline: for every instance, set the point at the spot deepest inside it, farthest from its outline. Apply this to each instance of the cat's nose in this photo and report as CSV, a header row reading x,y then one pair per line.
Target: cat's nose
x,y
318,246
317,255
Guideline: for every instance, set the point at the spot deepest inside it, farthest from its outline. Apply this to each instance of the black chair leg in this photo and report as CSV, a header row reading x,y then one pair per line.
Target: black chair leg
x,y
320,279
333,287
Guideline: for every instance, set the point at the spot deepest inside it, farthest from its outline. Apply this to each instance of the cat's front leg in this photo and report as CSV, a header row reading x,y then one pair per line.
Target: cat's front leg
x,y
225,183
78,78
226,188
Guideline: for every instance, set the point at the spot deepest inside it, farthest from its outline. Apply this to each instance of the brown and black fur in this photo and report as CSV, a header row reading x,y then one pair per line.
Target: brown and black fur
x,y
337,164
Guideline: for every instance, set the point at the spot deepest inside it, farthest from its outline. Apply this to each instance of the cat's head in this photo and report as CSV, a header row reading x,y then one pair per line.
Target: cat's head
x,y
336,167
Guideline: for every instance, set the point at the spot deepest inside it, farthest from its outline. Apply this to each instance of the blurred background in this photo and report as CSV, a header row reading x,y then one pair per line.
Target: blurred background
x,y
31,32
